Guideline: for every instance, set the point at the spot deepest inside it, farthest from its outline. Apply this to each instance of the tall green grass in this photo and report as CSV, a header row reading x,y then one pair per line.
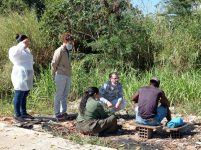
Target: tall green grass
x,y
42,95
6,106
183,90
177,53
25,23
178,40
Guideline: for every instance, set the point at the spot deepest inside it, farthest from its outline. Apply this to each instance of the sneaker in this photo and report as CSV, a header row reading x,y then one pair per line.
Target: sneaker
x,y
65,115
27,116
19,119
119,132
59,117
119,126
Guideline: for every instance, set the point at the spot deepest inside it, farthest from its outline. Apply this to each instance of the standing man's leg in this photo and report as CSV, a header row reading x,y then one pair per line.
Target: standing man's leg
x,y
17,102
23,106
23,103
65,95
60,81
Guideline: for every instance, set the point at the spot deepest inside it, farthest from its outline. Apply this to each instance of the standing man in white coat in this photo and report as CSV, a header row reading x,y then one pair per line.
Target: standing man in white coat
x,y
61,72
22,75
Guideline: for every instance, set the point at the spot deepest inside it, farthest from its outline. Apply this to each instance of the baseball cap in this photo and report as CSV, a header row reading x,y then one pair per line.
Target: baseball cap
x,y
155,79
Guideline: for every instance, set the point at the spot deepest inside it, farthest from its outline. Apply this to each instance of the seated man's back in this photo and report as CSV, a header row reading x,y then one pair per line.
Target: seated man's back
x,y
148,98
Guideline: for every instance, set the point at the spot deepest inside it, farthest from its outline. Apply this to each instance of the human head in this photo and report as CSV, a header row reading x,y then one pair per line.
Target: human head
x,y
155,81
114,78
67,40
20,37
66,37
90,92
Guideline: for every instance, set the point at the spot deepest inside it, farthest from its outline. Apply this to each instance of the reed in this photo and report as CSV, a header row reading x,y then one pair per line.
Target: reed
x,y
182,90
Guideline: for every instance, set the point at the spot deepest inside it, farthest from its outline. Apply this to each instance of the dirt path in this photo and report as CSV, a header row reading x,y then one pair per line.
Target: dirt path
x,y
190,137
15,138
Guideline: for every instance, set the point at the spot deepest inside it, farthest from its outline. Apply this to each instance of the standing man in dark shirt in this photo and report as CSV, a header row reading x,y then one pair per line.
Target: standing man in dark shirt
x,y
148,98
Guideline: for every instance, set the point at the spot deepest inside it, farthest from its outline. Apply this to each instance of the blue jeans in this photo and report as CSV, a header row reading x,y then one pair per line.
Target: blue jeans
x,y
62,90
20,99
161,113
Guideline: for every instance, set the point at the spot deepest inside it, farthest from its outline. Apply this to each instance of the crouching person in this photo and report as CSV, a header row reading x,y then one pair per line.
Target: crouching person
x,y
92,118
148,98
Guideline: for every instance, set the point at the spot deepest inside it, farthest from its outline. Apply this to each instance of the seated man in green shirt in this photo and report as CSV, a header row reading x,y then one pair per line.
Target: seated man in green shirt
x,y
92,118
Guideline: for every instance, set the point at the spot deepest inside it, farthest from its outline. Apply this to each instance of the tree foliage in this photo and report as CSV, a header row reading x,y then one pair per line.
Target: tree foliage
x,y
8,6
182,7
111,28
19,6
115,31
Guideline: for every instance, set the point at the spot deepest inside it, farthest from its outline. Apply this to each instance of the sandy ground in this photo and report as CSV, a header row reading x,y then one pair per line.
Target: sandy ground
x,y
15,138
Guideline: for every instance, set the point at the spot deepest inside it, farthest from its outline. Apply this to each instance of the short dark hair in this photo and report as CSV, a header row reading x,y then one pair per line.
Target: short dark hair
x,y
155,81
20,37
115,73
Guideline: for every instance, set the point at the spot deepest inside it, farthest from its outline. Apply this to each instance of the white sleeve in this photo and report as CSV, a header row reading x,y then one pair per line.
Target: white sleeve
x,y
102,99
17,50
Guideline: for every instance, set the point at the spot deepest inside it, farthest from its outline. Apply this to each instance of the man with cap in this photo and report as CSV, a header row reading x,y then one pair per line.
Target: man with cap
x,y
147,110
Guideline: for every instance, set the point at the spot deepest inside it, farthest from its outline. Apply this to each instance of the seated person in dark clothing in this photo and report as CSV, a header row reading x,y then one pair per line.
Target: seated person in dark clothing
x,y
147,99
92,118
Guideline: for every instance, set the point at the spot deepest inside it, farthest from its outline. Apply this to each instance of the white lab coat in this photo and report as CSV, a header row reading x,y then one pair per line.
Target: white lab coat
x,y
22,72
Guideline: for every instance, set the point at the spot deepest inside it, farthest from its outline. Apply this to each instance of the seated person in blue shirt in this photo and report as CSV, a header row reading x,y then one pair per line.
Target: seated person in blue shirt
x,y
112,93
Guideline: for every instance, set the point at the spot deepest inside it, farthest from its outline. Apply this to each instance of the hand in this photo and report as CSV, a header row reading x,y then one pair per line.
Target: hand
x,y
26,42
109,104
117,106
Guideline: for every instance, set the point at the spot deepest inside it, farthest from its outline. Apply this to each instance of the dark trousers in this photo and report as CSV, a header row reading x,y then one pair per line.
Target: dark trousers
x,y
108,125
19,101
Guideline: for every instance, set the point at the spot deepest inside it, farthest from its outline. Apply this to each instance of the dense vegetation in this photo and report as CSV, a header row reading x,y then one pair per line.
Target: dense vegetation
x,y
110,35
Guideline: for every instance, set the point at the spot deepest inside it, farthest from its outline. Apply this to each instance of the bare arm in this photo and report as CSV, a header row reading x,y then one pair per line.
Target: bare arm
x,y
135,97
164,101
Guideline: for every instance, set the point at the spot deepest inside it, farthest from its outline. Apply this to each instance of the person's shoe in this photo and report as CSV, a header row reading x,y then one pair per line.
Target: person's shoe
x,y
119,126
119,132
59,117
19,119
27,116
65,115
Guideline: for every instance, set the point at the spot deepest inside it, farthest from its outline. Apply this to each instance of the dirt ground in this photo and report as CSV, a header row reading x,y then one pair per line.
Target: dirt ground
x,y
37,137
18,138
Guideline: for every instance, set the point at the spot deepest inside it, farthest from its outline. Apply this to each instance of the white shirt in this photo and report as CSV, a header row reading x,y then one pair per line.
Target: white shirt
x,y
22,73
